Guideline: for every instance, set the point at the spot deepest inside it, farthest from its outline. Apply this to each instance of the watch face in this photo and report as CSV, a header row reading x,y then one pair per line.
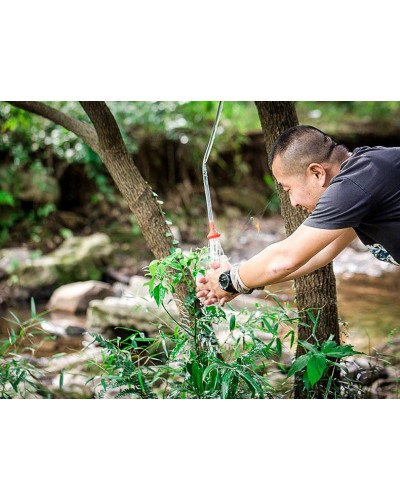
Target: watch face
x,y
224,281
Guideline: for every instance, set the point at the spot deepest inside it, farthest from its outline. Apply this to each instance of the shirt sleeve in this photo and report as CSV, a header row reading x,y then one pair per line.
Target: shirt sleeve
x,y
343,204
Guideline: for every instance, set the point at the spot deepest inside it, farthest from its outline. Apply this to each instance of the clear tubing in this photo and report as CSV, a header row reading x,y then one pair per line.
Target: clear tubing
x,y
205,159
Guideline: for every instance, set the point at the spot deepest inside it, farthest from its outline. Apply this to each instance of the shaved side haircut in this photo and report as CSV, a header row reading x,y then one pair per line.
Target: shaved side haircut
x,y
303,144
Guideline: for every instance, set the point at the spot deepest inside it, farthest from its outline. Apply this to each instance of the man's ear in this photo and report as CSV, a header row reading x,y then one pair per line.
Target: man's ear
x,y
317,170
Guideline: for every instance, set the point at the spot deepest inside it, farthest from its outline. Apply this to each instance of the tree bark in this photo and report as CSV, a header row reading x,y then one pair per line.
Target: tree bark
x,y
315,292
138,194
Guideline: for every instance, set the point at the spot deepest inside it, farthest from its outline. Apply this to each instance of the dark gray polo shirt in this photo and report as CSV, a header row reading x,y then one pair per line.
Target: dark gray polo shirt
x,y
365,195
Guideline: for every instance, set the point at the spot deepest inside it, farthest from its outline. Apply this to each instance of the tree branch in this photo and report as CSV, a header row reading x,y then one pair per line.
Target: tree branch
x,y
108,132
83,130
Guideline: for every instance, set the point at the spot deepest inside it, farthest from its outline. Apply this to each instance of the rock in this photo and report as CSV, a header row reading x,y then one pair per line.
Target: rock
x,y
52,328
62,328
138,313
75,331
119,289
76,259
137,288
75,297
12,258
364,371
116,276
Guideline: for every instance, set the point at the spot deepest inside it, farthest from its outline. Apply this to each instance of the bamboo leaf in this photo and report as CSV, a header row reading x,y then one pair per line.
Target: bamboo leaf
x,y
61,379
140,378
253,384
225,384
33,307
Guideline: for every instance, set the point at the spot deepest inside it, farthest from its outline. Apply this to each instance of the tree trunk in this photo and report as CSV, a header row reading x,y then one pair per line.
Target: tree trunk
x,y
315,292
141,200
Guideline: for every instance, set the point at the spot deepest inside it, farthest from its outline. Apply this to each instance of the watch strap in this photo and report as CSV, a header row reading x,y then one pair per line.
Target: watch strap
x,y
230,288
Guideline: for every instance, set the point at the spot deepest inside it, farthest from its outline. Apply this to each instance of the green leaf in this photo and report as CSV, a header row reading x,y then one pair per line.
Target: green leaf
x,y
164,345
140,378
292,335
278,346
233,386
225,384
340,351
308,346
253,384
299,364
6,344
213,378
232,322
61,379
327,345
316,367
33,307
6,198
178,348
197,376
159,293
153,267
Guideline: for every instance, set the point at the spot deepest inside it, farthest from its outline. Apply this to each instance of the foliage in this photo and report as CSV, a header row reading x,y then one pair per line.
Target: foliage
x,y
319,363
185,360
332,116
188,362
20,377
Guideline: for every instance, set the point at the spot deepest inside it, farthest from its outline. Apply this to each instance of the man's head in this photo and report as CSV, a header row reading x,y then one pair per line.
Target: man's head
x,y
304,160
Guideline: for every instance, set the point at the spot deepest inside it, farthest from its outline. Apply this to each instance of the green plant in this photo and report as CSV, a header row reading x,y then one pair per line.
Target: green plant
x,y
122,368
319,363
319,360
20,377
187,361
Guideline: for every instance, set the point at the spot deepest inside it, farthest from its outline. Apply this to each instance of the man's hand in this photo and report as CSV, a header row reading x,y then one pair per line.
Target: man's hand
x,y
208,290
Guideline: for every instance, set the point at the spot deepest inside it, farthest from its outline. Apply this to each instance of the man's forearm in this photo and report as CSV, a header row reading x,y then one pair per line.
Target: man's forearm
x,y
271,265
276,264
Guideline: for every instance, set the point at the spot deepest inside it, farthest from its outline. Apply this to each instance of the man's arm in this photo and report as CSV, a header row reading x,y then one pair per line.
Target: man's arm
x,y
305,250
325,256
279,261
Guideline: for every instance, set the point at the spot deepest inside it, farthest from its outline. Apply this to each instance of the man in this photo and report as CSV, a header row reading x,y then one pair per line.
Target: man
x,y
346,194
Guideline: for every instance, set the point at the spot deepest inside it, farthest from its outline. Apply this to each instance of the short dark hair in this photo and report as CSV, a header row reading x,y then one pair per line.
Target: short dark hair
x,y
301,145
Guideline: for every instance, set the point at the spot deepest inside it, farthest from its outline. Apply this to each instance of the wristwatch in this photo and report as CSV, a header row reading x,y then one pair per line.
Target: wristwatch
x,y
225,282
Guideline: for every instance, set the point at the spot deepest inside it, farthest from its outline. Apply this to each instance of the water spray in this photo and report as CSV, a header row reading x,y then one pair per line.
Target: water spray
x,y
215,251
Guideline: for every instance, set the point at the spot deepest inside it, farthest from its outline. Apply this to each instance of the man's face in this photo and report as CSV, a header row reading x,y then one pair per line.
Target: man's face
x,y
304,189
